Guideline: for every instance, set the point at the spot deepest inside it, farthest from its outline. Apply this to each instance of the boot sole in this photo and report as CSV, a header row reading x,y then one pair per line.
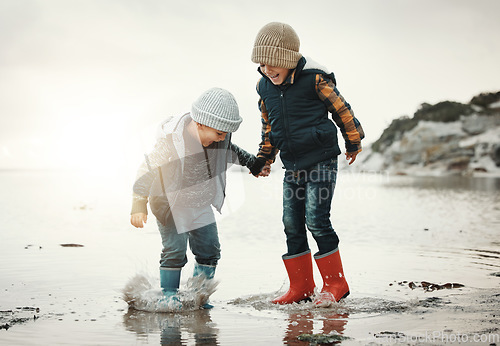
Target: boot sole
x,y
345,295
306,300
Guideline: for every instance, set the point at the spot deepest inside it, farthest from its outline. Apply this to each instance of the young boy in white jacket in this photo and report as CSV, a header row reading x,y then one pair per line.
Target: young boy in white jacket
x,y
182,178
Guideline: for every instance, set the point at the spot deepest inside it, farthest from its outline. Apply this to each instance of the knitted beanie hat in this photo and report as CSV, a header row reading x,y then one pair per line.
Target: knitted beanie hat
x,y
277,45
217,108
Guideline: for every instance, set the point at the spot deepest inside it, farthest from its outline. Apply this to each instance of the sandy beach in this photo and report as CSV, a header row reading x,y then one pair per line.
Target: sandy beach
x,y
421,256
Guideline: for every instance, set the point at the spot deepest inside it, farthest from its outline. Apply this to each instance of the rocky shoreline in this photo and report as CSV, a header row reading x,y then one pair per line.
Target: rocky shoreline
x,y
448,138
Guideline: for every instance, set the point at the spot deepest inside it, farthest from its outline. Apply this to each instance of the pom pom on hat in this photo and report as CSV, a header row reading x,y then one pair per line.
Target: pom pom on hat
x,y
217,108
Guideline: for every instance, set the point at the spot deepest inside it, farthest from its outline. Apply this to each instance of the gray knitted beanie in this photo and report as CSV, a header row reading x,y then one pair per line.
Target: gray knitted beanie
x,y
217,108
277,45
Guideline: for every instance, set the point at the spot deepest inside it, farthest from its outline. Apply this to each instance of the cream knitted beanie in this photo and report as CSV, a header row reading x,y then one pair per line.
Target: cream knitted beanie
x,y
217,108
277,45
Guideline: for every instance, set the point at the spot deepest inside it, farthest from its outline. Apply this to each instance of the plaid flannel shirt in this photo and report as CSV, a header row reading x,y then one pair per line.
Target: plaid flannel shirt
x,y
342,115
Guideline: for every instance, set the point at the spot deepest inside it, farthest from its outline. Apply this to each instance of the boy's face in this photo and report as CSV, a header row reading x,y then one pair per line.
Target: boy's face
x,y
277,75
208,135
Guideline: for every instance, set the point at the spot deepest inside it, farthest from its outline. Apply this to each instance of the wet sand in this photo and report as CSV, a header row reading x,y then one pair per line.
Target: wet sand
x,y
404,231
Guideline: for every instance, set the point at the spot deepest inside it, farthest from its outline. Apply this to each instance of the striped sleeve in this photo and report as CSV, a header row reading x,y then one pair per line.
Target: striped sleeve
x,y
266,149
342,114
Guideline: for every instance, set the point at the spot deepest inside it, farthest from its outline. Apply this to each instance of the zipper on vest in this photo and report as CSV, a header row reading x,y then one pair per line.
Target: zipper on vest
x,y
287,128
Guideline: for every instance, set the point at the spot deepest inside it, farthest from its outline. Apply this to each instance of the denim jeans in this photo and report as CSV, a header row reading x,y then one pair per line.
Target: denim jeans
x,y
307,199
203,241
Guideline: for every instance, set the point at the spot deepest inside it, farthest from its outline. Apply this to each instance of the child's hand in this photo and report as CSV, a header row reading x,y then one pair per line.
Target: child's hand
x,y
138,219
266,170
351,156
258,165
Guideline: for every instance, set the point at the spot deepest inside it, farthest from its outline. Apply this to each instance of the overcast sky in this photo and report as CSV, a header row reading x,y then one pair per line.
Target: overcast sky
x,y
82,82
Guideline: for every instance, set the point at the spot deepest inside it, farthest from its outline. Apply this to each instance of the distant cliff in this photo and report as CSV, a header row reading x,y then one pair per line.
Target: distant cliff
x,y
445,138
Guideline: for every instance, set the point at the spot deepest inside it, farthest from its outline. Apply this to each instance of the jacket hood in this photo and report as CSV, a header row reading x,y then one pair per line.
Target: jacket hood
x,y
313,65
175,126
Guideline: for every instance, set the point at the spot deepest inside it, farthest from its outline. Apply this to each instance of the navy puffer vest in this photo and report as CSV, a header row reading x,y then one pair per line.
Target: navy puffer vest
x,y
300,127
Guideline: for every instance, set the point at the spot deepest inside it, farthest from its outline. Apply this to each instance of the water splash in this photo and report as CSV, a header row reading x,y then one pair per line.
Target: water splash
x,y
141,294
262,302
351,305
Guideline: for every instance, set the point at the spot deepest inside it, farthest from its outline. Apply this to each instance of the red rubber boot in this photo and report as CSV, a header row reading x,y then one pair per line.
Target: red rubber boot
x,y
300,274
335,285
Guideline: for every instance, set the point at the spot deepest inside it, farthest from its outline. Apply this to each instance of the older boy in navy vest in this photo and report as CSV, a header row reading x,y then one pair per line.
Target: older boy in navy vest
x,y
296,95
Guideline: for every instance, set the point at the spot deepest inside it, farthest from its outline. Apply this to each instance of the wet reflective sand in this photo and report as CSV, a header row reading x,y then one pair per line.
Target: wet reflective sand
x,y
396,232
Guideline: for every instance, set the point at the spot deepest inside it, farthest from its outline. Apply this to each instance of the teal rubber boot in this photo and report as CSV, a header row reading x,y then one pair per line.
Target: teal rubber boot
x,y
169,281
208,272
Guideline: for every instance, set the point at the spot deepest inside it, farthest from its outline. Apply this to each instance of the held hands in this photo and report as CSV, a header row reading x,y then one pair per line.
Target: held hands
x,y
266,170
351,156
138,219
260,168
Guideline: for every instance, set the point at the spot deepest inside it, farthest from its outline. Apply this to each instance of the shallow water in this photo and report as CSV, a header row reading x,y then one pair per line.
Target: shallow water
x,y
393,229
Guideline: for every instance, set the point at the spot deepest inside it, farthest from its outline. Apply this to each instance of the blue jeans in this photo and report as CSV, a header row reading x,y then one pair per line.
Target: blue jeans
x,y
203,241
307,199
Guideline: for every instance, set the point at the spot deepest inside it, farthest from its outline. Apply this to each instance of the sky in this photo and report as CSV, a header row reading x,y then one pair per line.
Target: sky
x,y
84,83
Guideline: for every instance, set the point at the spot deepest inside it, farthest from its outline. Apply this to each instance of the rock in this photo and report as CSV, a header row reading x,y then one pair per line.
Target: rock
x,y
322,338
446,138
495,154
458,163
477,124
485,99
